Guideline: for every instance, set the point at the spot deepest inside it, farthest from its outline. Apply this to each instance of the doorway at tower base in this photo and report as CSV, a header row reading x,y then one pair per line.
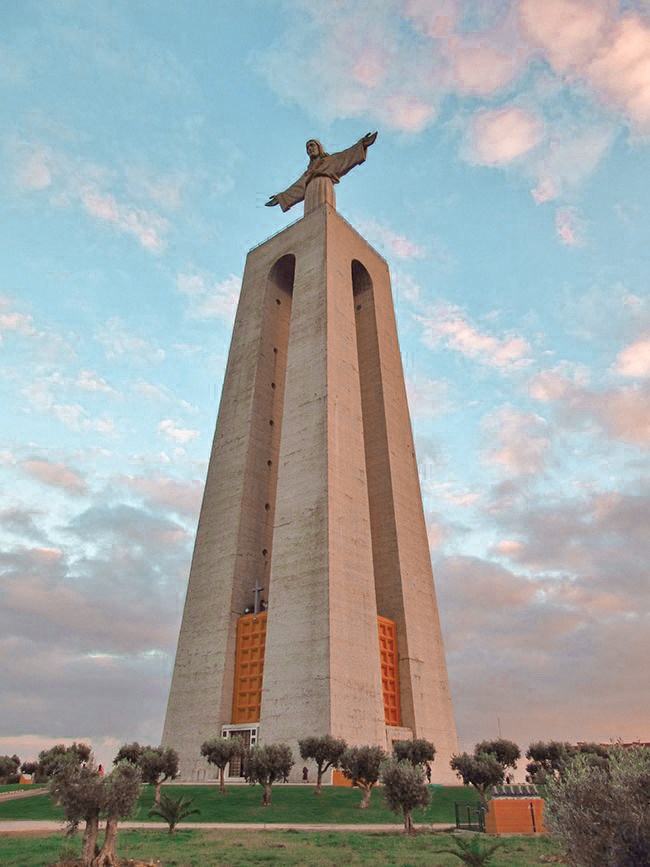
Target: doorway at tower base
x,y
249,670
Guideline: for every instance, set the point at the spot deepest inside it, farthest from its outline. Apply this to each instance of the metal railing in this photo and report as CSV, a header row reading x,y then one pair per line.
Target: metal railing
x,y
470,817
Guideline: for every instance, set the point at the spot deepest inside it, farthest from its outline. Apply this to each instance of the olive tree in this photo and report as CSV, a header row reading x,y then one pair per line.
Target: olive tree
x,y
265,765
156,764
8,768
418,751
362,765
547,759
602,813
121,791
48,760
404,789
220,751
505,752
129,753
80,791
481,771
326,752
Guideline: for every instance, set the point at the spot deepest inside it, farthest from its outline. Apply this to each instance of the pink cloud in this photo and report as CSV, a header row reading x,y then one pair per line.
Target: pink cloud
x,y
57,475
18,323
621,413
35,173
634,360
499,136
457,333
556,383
589,41
521,441
568,226
507,547
407,113
566,31
180,496
370,67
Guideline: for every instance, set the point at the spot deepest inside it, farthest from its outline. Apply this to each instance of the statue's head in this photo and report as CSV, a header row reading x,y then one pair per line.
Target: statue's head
x,y
315,149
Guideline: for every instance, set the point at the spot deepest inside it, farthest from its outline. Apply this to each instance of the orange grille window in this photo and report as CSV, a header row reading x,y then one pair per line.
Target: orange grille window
x,y
249,667
389,671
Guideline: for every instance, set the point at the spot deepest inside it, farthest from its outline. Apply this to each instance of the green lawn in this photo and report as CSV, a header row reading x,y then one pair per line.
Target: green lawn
x,y
16,787
290,804
235,849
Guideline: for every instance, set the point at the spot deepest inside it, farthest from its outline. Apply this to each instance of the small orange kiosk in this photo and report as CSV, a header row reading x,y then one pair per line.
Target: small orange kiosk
x,y
515,810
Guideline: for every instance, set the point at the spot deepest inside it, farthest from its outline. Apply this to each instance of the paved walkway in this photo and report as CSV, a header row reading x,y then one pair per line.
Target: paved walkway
x,y
17,826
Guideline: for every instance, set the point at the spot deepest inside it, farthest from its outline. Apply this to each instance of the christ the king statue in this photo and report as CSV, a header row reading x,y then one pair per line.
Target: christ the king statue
x,y
315,185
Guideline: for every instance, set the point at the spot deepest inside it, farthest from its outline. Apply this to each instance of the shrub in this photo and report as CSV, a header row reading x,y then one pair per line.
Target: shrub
x,y
602,814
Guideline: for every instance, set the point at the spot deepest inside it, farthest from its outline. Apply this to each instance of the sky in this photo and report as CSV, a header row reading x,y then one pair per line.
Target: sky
x,y
508,189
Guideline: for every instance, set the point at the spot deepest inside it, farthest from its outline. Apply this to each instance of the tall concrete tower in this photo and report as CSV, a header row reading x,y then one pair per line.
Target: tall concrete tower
x,y
311,606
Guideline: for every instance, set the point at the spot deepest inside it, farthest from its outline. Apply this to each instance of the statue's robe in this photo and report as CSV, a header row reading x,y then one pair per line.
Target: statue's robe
x,y
332,166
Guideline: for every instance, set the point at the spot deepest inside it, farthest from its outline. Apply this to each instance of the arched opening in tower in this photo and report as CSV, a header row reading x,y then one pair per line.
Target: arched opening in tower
x,y
257,537
383,530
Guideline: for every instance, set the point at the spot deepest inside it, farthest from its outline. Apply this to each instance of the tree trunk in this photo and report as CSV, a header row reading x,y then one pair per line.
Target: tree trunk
x,y
319,777
107,856
89,843
156,797
222,774
367,792
266,797
408,822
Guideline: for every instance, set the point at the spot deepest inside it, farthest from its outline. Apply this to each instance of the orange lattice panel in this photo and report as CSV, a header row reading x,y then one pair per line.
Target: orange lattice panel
x,y
249,667
389,671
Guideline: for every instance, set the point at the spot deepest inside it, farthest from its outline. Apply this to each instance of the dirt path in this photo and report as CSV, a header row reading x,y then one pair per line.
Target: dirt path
x,y
30,826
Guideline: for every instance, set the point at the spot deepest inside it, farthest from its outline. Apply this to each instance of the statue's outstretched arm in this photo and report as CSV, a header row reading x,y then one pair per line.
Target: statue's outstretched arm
x,y
291,196
369,138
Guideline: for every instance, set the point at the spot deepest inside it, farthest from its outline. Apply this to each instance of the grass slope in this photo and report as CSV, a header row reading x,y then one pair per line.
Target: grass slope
x,y
290,804
208,848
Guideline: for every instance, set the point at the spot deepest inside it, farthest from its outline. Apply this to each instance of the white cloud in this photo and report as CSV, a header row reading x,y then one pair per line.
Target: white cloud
x,y
394,243
119,343
171,431
210,300
71,181
427,397
87,380
147,226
